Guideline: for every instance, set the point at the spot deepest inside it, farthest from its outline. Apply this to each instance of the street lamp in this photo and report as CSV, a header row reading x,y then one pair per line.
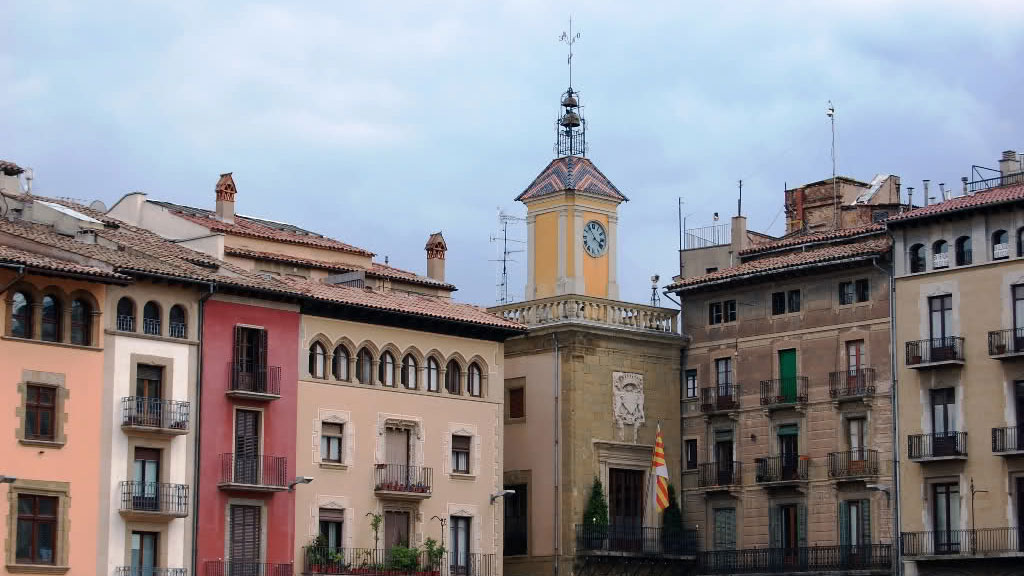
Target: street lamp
x,y
501,494
7,479
443,522
299,480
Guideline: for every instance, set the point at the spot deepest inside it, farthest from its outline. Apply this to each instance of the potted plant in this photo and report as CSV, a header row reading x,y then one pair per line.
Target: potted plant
x,y
316,555
595,518
1001,348
375,522
435,555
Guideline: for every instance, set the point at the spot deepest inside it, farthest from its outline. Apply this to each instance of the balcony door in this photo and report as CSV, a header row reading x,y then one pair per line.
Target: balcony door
x,y
788,532
396,528
854,366
789,452
855,435
626,508
247,446
946,498
144,553
460,544
245,539
148,392
1018,318
787,375
724,456
855,530
940,326
396,454
1020,513
1018,400
516,518
250,362
146,475
944,422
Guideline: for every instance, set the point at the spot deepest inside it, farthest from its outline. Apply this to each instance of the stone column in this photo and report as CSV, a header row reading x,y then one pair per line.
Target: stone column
x,y
613,284
577,286
563,224
531,247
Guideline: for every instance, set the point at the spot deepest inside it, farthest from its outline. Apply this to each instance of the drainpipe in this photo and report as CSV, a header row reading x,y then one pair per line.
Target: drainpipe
x,y
558,456
894,499
198,425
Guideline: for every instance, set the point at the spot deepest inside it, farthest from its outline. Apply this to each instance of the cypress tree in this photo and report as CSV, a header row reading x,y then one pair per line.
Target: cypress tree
x,y
672,524
595,515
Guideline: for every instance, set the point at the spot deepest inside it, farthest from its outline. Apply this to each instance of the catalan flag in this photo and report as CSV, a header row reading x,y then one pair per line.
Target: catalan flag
x,y
660,470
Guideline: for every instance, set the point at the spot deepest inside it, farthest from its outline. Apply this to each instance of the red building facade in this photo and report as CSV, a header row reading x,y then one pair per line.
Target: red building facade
x,y
247,414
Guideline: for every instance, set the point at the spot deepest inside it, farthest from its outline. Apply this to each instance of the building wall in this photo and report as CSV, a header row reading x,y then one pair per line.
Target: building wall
x,y
72,468
221,315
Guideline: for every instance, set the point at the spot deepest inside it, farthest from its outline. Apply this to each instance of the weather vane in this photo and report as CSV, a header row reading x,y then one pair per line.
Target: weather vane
x,y
569,38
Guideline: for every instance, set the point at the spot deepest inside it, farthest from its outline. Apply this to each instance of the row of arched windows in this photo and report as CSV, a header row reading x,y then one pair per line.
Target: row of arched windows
x,y
391,374
152,324
22,322
963,254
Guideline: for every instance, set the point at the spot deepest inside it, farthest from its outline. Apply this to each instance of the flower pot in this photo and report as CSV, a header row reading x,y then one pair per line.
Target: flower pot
x,y
915,359
1001,349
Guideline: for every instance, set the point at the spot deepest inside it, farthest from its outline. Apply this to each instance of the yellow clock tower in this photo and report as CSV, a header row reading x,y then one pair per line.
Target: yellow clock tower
x,y
571,218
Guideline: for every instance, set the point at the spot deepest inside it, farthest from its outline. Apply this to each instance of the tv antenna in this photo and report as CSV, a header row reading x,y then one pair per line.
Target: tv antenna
x,y
655,297
506,252
569,38
831,113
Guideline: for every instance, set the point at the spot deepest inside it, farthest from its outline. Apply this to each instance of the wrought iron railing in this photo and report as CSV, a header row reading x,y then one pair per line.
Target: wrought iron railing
x,y
151,326
1006,342
155,497
855,383
937,445
989,183
784,391
724,473
155,413
254,378
177,329
707,236
141,571
246,568
948,349
259,470
784,468
395,562
635,539
1007,439
402,478
125,323
853,463
813,559
720,398
962,542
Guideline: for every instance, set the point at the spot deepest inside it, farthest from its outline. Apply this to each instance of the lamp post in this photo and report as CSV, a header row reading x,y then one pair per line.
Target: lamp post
x,y
7,479
974,534
443,523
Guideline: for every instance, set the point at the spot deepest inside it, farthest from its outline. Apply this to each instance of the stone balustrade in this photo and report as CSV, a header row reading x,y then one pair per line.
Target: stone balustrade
x,y
576,309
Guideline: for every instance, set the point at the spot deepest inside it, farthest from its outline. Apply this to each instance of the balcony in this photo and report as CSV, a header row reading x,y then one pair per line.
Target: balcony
x,y
940,446
177,329
1005,344
866,559
370,562
853,464
125,323
1007,441
989,542
935,352
634,541
245,568
855,384
714,476
137,571
154,416
254,382
721,398
789,470
253,473
940,260
590,311
403,482
784,392
153,500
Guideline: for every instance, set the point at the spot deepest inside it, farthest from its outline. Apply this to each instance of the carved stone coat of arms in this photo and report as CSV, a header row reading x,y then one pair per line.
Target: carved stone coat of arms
x,y
628,402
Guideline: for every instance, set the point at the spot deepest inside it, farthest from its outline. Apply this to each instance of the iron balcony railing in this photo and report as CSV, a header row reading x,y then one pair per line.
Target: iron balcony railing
x,y
724,473
1006,342
784,391
246,568
155,413
707,236
937,445
255,378
126,323
1007,439
402,478
948,349
395,562
720,398
966,542
177,329
784,468
259,470
989,183
635,539
853,463
155,497
141,571
853,383
812,559
151,326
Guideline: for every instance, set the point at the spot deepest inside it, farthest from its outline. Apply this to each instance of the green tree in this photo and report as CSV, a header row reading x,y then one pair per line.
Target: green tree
x,y
672,532
595,518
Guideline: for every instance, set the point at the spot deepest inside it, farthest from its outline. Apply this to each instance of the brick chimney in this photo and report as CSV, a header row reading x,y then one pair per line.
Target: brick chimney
x,y
1009,163
226,198
436,249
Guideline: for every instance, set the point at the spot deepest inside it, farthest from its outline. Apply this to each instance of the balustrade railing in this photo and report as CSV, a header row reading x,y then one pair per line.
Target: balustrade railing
x,y
720,398
255,378
126,323
724,473
402,478
855,383
155,413
784,391
589,310
784,468
258,470
155,497
1006,342
177,329
853,463
966,542
1007,439
937,445
947,349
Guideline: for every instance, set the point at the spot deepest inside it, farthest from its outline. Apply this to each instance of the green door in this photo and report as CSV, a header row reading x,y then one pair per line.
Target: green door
x,y
787,375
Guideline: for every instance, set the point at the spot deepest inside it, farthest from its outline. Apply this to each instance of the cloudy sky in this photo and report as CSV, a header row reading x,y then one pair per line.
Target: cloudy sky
x,y
380,122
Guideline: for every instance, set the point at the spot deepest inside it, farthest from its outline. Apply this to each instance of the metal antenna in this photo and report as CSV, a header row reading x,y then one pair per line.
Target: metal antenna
x,y
739,202
831,113
506,252
569,38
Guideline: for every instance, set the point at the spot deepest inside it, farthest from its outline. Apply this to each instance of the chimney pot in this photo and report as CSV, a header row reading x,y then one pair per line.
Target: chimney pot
x,y
436,249
1009,163
225,191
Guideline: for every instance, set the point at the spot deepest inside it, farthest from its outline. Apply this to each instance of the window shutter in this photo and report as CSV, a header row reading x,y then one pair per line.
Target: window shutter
x,y
262,354
516,409
238,347
775,526
801,525
460,442
865,521
844,523
332,514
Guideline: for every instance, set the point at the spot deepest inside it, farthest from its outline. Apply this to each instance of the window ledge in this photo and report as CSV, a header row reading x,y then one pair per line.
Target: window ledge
x,y
515,420
159,338
333,465
43,443
461,476
48,343
37,569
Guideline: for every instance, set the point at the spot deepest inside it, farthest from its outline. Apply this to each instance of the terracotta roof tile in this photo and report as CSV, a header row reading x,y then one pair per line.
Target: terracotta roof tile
x,y
992,196
798,239
571,173
763,266
9,254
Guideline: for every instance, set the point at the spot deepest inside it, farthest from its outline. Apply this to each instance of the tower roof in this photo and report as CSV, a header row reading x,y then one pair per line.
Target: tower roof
x,y
571,173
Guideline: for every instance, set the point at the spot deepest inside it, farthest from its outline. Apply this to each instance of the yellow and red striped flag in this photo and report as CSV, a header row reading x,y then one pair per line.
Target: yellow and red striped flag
x,y
660,472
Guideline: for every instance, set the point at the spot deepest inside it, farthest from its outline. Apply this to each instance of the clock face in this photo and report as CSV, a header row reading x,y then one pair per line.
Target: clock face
x,y
595,240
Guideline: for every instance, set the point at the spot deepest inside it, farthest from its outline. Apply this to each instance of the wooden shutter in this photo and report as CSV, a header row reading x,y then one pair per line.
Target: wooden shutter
x,y
865,521
261,351
775,526
516,404
396,529
844,523
396,449
239,346
332,514
801,525
245,533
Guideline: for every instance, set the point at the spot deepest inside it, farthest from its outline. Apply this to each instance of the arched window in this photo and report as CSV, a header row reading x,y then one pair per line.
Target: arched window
x,y
177,327
364,367
386,370
317,360
1000,245
1020,242
21,315
50,331
126,315
474,380
433,375
940,254
81,322
340,366
453,378
917,263
409,369
963,251
151,318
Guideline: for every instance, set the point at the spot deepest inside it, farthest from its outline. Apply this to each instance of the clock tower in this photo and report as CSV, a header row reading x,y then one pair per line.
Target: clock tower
x,y
571,217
